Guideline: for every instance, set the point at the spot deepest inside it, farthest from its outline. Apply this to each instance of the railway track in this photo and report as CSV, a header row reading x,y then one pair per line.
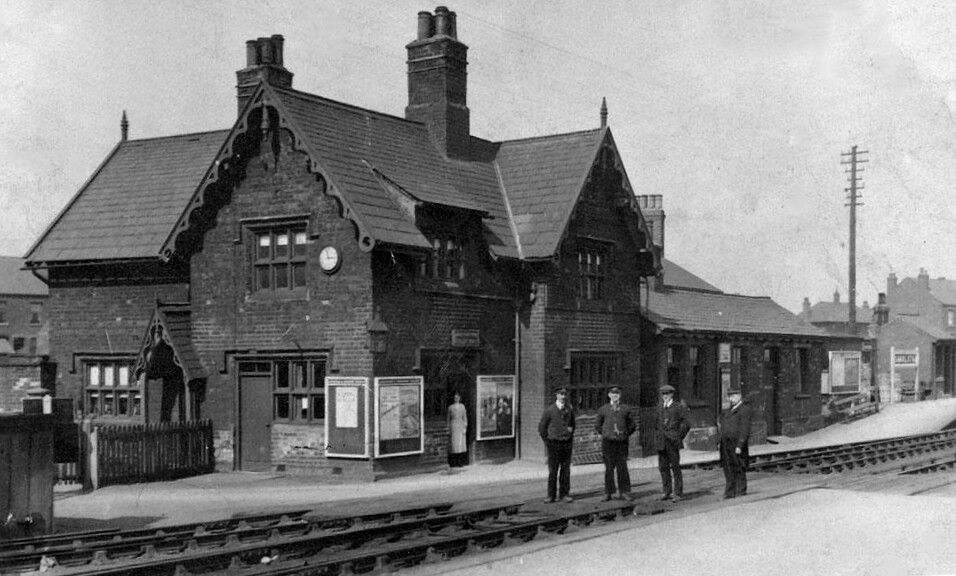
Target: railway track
x,y
300,542
293,543
849,456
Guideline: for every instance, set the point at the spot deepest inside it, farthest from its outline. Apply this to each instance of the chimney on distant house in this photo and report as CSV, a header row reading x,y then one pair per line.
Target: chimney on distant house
x,y
881,312
652,208
923,279
263,64
836,296
890,284
437,82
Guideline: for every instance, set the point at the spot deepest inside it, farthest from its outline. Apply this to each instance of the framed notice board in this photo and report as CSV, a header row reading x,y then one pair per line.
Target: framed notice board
x,y
399,416
495,415
346,417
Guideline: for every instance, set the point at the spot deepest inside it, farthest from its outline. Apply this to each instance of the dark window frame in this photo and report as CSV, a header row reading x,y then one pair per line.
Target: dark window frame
x,y
590,376
114,399
279,268
591,264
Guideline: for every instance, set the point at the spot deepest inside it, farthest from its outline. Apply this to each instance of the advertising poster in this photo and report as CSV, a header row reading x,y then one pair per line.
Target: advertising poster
x,y
346,417
496,407
845,372
398,416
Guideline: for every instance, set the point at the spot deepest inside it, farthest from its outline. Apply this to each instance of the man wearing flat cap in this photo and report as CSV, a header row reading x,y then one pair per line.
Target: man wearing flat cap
x,y
615,424
672,427
557,430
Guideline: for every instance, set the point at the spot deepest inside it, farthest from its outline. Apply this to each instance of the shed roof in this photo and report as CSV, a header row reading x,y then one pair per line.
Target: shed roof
x,y
704,311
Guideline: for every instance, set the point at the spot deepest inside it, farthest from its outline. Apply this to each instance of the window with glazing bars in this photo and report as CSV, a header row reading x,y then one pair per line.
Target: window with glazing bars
x,y
591,376
280,259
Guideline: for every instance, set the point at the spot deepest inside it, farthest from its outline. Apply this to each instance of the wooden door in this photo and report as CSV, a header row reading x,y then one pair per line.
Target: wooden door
x,y
255,422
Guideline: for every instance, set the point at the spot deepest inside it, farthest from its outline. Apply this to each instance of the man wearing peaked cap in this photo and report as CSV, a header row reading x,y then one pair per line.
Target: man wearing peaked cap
x,y
615,424
556,428
671,428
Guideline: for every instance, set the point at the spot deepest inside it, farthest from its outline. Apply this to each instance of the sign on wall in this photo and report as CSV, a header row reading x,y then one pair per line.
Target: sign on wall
x,y
904,372
346,417
725,388
399,416
723,353
846,374
495,407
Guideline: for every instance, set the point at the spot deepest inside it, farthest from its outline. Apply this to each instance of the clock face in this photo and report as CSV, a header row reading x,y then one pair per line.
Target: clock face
x,y
329,259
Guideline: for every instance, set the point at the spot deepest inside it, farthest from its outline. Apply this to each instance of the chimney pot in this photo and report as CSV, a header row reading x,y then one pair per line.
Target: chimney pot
x,y
124,127
836,296
442,27
277,42
426,25
265,50
251,51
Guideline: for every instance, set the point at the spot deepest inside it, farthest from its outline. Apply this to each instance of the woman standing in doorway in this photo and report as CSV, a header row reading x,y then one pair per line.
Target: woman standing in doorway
x,y
457,427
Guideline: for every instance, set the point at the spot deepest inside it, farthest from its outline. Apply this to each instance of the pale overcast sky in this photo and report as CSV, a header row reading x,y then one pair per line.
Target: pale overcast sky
x,y
736,111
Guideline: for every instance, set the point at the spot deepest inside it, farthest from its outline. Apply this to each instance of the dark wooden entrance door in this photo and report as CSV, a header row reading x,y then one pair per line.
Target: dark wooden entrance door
x,y
255,422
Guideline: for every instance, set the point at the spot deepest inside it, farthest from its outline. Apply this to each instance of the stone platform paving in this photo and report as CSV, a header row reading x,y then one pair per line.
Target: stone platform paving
x,y
222,495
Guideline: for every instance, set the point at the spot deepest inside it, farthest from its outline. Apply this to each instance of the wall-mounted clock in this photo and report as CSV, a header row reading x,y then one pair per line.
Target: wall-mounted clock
x,y
329,259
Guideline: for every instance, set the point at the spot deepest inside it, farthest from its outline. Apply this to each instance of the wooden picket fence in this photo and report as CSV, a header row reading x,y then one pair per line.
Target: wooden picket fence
x,y
126,454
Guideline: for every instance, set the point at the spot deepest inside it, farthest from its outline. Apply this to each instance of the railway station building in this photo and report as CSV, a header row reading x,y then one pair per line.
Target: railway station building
x,y
320,279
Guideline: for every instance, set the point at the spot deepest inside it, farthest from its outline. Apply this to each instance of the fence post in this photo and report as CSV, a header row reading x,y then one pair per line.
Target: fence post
x,y
94,458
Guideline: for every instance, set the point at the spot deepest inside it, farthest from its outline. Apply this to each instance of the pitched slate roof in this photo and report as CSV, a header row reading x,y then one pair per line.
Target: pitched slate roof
x,y
17,282
130,204
678,277
138,201
944,290
836,312
541,178
699,311
357,148
921,323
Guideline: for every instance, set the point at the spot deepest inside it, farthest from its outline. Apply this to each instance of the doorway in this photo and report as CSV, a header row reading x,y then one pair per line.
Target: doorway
x,y
446,372
255,420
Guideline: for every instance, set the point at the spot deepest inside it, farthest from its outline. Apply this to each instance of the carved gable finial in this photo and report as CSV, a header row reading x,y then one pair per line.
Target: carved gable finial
x,y
603,112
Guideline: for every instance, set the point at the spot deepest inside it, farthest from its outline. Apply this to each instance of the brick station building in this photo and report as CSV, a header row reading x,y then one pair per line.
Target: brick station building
x,y
231,274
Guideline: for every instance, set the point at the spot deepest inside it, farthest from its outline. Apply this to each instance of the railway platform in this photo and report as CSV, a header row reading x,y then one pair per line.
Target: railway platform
x,y
223,495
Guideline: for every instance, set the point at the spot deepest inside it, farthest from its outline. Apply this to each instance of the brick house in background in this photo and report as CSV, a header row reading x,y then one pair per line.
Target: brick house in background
x,y
227,274
24,333
920,315
851,363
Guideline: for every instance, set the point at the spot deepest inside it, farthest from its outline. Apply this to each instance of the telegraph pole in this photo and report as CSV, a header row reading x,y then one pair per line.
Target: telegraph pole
x,y
853,159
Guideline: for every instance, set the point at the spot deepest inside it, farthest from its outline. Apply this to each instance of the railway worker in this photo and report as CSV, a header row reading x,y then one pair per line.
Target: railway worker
x,y
734,444
557,430
671,426
615,424
457,428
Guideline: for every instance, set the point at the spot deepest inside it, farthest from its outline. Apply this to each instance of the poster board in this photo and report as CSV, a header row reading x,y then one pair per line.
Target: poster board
x,y
495,407
904,373
399,416
725,387
846,372
346,417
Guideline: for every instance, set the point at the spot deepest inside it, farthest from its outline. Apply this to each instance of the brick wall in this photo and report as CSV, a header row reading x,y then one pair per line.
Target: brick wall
x,y
104,310
230,317
16,313
18,377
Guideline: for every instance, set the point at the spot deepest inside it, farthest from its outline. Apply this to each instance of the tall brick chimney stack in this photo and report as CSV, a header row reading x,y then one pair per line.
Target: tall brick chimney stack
x,y
652,207
263,64
437,82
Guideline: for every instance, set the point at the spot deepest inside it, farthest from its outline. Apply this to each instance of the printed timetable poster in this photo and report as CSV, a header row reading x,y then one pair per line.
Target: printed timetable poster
x,y
495,406
399,413
346,417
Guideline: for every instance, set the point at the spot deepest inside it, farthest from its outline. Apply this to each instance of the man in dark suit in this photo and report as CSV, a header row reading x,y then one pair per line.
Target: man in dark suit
x,y
557,430
672,426
734,444
615,424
